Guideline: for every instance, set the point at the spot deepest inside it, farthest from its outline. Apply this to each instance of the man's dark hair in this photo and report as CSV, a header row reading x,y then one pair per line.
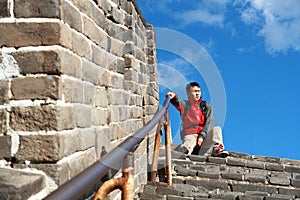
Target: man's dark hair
x,y
190,85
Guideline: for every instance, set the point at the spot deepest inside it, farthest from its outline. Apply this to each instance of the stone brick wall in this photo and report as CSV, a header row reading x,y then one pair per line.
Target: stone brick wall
x,y
76,78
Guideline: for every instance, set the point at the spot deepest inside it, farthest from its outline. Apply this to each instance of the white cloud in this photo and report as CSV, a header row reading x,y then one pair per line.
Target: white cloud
x,y
249,16
208,12
279,23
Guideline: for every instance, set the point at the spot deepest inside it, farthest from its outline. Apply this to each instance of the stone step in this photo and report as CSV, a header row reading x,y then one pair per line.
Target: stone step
x,y
238,177
20,184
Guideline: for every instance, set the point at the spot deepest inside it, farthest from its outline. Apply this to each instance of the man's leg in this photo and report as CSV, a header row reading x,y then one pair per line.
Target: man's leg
x,y
213,139
189,142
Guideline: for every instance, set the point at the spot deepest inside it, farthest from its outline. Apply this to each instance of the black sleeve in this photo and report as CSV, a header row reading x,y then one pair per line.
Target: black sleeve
x,y
209,122
178,103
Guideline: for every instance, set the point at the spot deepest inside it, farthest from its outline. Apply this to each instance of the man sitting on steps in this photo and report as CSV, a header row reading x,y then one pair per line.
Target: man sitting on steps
x,y
198,134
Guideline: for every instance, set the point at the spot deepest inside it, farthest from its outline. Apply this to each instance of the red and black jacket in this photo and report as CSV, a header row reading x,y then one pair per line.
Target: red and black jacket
x,y
197,117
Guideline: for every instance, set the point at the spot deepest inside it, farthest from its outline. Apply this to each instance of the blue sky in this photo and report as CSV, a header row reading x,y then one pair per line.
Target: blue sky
x,y
246,56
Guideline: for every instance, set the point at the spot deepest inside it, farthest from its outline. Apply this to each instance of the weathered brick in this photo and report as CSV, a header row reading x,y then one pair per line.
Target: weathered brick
x,y
217,160
17,184
32,62
52,61
116,47
279,181
91,72
115,97
255,178
168,191
5,143
4,92
42,87
4,10
233,176
89,93
255,164
33,118
72,90
274,167
84,6
64,170
208,175
99,116
37,8
236,161
81,46
92,31
288,191
182,171
117,15
242,187
174,197
30,34
279,197
293,169
37,118
70,63
71,15
210,185
227,195
256,193
249,197
66,119
83,116
3,118
39,148
295,182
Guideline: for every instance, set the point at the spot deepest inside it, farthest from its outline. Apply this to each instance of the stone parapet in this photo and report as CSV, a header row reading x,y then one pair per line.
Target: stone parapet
x,y
239,176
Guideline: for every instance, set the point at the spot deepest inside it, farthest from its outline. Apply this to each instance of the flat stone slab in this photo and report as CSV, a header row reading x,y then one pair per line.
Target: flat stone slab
x,y
17,184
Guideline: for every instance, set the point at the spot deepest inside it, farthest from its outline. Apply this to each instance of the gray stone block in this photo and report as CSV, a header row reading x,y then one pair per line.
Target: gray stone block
x,y
247,197
197,158
5,144
295,183
288,191
255,178
233,176
243,187
3,123
4,11
34,8
255,164
17,184
217,160
236,161
4,91
174,197
208,175
293,169
42,87
274,167
210,185
280,197
71,16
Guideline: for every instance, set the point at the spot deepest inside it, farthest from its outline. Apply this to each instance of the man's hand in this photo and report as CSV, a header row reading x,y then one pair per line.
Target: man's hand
x,y
171,94
199,140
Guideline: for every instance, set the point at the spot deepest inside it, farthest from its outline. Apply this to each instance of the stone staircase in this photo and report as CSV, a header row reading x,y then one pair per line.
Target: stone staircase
x,y
237,177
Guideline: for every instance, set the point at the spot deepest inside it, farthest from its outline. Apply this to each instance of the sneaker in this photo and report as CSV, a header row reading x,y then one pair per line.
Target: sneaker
x,y
183,149
218,151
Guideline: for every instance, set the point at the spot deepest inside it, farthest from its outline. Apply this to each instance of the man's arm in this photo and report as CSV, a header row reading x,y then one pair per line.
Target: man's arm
x,y
209,123
178,103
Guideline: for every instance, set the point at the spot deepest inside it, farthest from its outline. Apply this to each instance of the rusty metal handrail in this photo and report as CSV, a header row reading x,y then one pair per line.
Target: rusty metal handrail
x,y
168,137
84,181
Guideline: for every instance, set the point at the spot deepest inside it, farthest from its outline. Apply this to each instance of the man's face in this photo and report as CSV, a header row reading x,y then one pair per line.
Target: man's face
x,y
194,93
